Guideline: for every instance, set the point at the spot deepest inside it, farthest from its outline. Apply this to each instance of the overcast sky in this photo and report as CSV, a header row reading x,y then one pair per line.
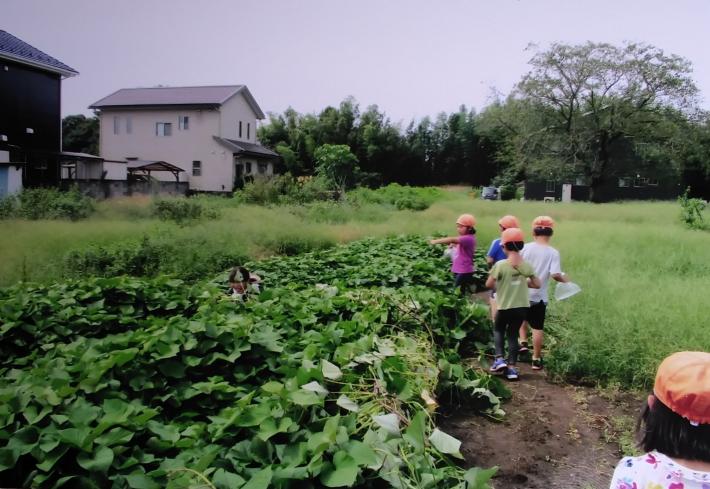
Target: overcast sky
x,y
412,58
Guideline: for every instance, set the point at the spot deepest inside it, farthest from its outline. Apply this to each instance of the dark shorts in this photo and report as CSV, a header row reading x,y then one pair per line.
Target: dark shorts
x,y
536,315
463,281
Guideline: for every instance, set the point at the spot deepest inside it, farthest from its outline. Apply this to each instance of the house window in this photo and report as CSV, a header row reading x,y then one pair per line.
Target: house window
x,y
623,181
640,182
116,124
163,128
247,167
129,125
652,182
261,167
183,122
248,131
196,168
240,129
550,186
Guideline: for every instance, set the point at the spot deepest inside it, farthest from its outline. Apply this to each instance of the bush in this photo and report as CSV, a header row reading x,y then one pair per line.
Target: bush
x,y
183,210
47,203
296,245
692,211
507,191
284,189
400,196
188,259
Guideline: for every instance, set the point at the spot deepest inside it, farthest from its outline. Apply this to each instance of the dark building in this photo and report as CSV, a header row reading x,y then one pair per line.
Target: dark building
x,y
30,111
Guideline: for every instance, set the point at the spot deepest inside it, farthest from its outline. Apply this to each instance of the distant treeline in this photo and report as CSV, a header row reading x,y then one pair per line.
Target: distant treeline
x,y
448,149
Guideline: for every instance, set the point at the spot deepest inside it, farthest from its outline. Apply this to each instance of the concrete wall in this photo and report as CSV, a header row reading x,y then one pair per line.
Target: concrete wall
x,y
106,189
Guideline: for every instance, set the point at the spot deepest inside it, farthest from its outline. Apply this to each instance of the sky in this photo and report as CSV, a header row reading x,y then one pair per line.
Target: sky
x,y
411,58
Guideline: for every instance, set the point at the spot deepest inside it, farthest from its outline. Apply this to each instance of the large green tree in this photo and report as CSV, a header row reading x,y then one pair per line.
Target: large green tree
x,y
590,97
80,134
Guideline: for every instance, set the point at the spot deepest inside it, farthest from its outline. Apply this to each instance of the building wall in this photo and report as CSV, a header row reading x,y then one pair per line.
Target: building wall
x,y
105,189
181,148
232,111
30,98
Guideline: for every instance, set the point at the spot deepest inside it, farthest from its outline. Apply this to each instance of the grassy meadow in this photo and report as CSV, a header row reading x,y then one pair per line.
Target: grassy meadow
x,y
644,276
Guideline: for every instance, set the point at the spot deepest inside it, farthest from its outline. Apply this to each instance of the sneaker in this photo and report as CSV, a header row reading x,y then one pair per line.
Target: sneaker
x,y
511,373
499,365
537,364
523,348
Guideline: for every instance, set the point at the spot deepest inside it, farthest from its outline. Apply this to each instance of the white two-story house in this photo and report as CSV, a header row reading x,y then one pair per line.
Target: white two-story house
x,y
206,135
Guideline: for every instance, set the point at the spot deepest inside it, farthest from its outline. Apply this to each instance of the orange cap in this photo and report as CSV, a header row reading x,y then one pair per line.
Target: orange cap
x,y
509,222
466,220
683,385
511,235
543,222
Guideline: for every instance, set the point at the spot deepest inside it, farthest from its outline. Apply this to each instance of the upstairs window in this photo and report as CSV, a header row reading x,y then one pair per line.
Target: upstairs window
x,y
248,130
239,133
116,125
183,122
163,129
129,125
196,168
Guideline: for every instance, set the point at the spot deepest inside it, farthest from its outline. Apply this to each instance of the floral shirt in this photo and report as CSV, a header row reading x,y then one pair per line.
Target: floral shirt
x,y
656,471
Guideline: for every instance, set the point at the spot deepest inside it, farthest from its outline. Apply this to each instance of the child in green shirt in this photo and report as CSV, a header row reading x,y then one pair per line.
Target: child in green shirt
x,y
511,278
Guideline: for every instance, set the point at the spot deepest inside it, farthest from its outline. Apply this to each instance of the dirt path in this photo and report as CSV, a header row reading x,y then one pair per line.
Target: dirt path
x,y
554,436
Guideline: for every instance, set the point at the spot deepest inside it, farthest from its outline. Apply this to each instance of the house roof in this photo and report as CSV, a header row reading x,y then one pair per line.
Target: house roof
x,y
213,96
17,50
242,148
152,165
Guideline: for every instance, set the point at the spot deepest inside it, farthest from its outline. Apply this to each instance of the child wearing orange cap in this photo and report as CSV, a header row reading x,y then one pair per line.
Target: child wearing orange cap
x,y
511,278
495,253
546,261
674,429
462,264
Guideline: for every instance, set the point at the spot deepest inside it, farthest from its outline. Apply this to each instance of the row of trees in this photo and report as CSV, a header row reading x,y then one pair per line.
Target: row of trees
x,y
590,112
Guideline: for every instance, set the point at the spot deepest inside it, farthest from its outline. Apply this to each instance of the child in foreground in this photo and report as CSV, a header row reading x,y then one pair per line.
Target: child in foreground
x,y
674,429
495,254
462,264
511,278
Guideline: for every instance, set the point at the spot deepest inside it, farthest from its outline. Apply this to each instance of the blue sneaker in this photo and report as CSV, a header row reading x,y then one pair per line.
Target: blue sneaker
x,y
511,373
499,365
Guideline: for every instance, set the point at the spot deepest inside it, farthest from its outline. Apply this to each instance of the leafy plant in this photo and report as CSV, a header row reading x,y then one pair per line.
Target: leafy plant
x,y
46,203
692,211
148,383
182,210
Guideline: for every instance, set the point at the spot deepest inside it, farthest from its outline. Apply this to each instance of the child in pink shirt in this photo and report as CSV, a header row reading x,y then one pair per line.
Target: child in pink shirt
x,y
462,264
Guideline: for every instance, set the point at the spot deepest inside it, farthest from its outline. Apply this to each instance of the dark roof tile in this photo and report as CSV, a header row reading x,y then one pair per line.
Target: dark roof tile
x,y
18,50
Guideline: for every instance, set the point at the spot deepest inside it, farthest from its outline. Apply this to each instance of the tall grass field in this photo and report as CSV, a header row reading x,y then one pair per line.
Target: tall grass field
x,y
645,278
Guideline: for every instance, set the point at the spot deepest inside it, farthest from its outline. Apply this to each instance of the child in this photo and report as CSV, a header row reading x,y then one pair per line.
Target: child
x,y
496,253
511,278
462,263
674,429
242,283
546,261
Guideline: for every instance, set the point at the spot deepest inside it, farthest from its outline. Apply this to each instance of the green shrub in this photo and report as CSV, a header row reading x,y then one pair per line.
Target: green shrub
x,y
47,203
187,259
296,245
692,211
284,189
399,196
507,191
182,210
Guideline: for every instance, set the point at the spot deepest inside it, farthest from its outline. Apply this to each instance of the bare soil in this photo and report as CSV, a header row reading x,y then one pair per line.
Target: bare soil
x,y
553,435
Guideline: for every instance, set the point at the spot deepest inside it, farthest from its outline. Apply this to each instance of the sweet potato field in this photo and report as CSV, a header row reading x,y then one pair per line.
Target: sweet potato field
x,y
332,377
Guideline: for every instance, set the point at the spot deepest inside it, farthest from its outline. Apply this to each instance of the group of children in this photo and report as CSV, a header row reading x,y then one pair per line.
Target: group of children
x,y
674,427
518,278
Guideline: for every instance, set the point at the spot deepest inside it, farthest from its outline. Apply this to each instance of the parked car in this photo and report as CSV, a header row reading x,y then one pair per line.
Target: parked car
x,y
489,193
